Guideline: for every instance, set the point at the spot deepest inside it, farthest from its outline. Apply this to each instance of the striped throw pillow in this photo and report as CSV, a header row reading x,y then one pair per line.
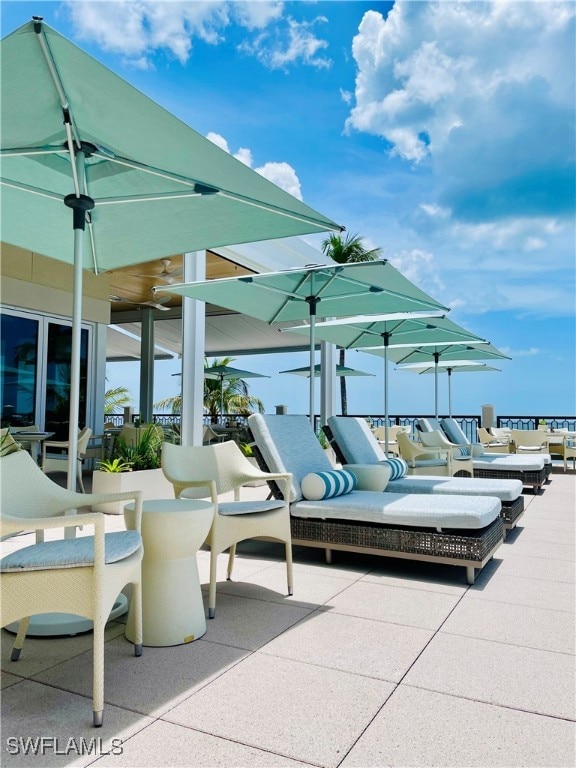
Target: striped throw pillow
x,y
464,450
398,468
325,485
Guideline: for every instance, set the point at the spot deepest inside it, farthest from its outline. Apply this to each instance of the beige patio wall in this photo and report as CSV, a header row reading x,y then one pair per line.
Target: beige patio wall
x,y
31,281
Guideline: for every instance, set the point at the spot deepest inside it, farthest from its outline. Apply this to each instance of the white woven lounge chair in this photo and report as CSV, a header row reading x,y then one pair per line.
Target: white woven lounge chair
x,y
354,444
216,469
530,470
451,529
81,576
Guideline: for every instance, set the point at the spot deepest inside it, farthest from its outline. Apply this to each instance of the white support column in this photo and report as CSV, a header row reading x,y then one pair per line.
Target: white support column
x,y
193,350
327,381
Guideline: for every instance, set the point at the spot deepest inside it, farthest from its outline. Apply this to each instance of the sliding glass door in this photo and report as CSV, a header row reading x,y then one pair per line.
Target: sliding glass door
x,y
35,372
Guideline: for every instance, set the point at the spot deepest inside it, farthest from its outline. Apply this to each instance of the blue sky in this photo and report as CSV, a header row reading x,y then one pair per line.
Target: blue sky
x,y
442,132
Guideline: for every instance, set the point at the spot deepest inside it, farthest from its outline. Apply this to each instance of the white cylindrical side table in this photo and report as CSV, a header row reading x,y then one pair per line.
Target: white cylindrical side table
x,y
172,532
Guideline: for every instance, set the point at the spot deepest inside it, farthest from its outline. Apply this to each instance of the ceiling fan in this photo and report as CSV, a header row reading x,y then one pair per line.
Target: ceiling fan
x,y
167,275
155,303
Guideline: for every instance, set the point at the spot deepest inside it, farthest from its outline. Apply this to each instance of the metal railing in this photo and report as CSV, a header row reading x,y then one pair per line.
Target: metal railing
x,y
468,422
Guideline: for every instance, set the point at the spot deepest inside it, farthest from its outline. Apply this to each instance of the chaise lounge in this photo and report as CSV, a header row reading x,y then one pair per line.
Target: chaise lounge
x,y
354,443
530,470
448,529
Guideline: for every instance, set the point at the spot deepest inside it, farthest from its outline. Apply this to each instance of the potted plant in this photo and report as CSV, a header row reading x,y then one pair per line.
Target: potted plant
x,y
132,466
328,450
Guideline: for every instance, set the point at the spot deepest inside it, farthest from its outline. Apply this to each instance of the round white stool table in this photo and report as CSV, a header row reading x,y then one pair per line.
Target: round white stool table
x,y
173,530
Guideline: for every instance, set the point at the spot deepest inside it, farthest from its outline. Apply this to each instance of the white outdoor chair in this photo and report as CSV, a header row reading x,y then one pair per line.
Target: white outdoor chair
x,y
530,441
216,469
58,462
423,461
81,575
460,459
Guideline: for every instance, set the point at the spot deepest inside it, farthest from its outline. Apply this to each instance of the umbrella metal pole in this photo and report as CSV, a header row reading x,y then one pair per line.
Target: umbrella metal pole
x,y
449,370
312,369
222,398
436,358
386,337
80,204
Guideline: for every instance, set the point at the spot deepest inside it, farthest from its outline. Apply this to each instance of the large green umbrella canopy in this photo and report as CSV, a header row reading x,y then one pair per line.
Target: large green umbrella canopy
x,y
316,292
140,183
387,332
449,369
433,353
341,370
222,372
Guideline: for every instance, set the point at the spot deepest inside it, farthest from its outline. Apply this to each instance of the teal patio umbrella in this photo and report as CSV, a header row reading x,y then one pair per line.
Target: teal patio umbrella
x,y
341,370
388,332
433,352
96,174
222,372
449,369
320,291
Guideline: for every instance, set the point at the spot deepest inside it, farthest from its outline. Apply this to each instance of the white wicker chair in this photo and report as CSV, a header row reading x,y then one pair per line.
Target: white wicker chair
x,y
220,468
423,461
458,462
58,462
530,441
81,575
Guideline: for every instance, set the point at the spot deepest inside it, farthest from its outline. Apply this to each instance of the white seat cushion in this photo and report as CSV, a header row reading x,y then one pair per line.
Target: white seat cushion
x,y
505,490
71,553
420,510
513,461
247,507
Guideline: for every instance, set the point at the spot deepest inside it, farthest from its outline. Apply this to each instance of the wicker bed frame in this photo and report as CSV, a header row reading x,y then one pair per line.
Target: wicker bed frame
x,y
470,549
511,511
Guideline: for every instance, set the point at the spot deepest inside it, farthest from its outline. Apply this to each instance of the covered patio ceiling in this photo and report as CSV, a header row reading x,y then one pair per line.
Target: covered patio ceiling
x,y
227,333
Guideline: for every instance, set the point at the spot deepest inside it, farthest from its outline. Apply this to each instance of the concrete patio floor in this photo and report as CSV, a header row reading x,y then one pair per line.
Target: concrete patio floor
x,y
373,662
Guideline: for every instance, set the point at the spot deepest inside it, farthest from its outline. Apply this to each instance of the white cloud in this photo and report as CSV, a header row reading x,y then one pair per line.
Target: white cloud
x,y
293,43
138,28
482,91
256,15
281,174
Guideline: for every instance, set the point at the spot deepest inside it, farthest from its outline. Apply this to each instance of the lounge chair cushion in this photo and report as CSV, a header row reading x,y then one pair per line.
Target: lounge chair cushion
x,y
420,510
326,485
355,440
456,434
288,441
398,468
505,490
71,553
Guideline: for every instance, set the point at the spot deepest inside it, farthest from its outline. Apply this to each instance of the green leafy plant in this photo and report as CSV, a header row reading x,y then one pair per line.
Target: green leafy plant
x,y
322,439
246,449
542,422
143,454
114,465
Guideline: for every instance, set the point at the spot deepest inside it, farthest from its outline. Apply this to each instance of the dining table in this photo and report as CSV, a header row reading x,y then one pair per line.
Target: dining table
x,y
34,438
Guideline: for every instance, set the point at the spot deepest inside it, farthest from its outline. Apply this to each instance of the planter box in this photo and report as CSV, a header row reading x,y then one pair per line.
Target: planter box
x,y
151,482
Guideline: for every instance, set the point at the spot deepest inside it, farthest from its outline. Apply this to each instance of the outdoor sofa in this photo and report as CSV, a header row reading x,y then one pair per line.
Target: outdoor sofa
x,y
354,443
449,529
531,470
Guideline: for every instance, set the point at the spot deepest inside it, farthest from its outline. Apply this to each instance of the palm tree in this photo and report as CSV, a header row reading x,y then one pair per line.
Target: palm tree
x,y
347,251
235,396
115,399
